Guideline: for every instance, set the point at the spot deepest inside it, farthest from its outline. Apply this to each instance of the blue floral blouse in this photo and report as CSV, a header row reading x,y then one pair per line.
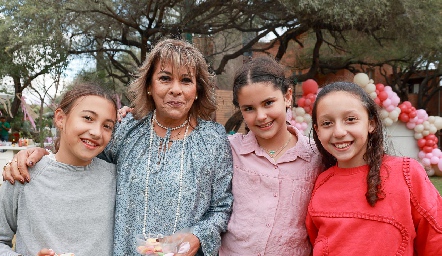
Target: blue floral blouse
x,y
206,199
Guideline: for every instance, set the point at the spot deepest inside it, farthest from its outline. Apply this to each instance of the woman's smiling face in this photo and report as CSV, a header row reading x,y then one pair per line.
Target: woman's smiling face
x,y
173,91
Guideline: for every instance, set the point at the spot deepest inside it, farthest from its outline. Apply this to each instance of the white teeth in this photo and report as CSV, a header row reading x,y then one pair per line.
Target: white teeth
x,y
89,142
267,125
342,145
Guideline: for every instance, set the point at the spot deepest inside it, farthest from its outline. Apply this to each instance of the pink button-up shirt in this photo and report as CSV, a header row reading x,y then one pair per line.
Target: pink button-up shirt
x,y
270,198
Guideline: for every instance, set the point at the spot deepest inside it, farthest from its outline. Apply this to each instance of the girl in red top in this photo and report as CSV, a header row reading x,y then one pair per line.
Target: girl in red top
x,y
367,202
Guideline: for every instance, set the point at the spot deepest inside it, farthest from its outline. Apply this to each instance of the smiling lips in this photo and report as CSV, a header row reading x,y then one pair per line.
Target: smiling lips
x,y
175,103
89,143
266,125
342,145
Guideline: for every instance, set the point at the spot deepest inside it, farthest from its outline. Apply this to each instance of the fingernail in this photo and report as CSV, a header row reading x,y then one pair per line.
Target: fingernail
x,y
31,163
28,179
22,181
12,182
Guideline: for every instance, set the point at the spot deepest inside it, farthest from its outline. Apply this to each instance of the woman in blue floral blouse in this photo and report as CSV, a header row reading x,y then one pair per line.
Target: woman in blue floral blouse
x,y
174,165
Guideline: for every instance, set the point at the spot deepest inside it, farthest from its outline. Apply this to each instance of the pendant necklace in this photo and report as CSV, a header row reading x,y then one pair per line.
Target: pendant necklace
x,y
274,153
146,192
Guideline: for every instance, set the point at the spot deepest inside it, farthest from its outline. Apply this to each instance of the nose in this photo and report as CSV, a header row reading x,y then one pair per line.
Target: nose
x,y
261,114
96,131
175,88
339,130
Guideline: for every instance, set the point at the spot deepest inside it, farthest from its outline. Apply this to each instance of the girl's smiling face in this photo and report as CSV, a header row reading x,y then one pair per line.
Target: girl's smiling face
x,y
343,127
85,130
263,107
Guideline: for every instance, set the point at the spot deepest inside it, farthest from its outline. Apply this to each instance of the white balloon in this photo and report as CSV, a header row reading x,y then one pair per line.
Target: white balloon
x,y
432,129
425,132
419,128
308,118
426,125
299,119
438,122
387,121
418,135
431,119
394,114
361,79
384,113
370,88
299,111
373,95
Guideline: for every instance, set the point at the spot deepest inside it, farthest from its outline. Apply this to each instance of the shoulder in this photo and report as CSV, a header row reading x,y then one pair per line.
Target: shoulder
x,y
209,132
100,164
128,123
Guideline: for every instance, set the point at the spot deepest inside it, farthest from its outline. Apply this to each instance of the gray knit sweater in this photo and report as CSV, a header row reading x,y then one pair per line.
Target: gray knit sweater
x,y
66,208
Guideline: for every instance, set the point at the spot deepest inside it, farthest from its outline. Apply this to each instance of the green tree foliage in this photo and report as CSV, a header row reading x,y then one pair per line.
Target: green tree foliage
x,y
32,43
401,36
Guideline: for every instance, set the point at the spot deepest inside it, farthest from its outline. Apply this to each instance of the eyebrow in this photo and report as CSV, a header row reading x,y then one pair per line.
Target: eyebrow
x,y
265,100
95,113
171,74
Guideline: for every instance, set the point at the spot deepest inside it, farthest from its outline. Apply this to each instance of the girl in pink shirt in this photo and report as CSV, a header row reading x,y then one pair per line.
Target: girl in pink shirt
x,y
274,169
367,202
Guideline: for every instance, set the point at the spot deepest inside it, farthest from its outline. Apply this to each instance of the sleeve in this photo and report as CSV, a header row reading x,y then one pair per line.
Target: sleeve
x,y
426,210
214,222
312,231
8,216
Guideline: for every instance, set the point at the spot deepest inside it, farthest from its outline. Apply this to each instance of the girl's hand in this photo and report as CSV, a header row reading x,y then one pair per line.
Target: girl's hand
x,y
17,169
46,252
122,112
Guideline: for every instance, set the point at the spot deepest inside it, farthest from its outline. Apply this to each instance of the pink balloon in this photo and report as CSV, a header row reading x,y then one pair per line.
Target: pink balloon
x,y
426,162
304,126
421,154
439,165
434,160
386,103
390,108
437,152
410,125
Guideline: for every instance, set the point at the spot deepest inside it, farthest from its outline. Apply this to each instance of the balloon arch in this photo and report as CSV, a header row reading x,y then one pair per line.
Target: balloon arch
x,y
392,110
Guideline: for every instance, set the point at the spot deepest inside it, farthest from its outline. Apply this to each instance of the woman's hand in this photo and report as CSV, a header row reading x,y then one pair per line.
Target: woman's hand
x,y
46,252
122,112
17,169
194,245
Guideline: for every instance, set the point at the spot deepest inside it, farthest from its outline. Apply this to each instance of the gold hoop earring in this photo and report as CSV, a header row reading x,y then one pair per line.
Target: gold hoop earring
x,y
196,97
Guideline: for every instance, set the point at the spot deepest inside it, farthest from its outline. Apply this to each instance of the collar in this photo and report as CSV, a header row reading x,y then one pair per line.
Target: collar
x,y
304,148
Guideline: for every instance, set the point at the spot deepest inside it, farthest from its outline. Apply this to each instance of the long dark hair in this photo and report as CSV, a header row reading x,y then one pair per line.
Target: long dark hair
x,y
375,145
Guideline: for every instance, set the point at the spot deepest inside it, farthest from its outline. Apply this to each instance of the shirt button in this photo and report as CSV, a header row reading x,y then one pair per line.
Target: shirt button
x,y
275,194
268,225
275,166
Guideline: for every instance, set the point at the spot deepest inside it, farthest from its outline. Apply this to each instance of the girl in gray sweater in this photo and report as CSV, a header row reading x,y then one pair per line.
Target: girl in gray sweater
x,y
69,206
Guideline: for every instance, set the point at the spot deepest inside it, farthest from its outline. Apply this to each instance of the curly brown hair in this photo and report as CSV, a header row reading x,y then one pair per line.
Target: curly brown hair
x,y
375,145
179,54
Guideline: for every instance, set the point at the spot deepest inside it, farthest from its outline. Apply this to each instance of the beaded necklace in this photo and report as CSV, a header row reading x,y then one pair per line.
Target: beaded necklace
x,y
146,192
167,128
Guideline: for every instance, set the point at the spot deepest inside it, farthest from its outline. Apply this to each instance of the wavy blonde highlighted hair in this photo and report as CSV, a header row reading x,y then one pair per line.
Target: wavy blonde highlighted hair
x,y
179,54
